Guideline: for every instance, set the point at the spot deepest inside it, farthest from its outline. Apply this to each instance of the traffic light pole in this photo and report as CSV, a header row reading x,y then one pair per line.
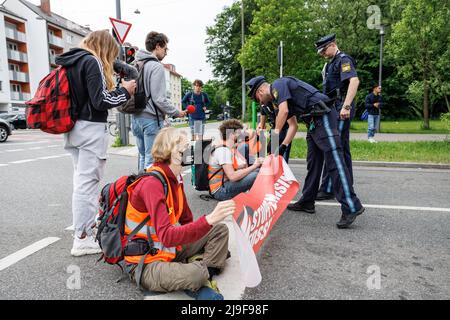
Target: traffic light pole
x,y
123,130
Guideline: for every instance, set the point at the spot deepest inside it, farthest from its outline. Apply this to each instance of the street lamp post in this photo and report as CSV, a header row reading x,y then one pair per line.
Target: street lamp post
x,y
380,75
281,58
243,71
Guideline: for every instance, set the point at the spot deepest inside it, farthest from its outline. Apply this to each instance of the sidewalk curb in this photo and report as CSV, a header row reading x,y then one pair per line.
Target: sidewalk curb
x,y
410,165
132,152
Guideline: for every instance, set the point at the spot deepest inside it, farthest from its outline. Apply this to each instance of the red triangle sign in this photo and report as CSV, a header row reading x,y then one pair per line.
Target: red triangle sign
x,y
121,28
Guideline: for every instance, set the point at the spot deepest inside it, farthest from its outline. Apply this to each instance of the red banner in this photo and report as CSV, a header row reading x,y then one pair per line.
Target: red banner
x,y
258,210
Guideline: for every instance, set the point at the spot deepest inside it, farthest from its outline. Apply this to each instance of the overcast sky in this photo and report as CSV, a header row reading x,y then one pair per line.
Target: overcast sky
x,y
183,21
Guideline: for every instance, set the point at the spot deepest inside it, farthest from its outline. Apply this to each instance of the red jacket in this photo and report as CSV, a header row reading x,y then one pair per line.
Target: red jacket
x,y
148,196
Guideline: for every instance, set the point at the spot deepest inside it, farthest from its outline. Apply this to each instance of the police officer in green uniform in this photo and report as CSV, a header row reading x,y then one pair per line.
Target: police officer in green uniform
x,y
294,99
340,83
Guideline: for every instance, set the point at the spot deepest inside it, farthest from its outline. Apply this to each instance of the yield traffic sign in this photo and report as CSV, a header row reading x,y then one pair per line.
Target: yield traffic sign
x,y
121,28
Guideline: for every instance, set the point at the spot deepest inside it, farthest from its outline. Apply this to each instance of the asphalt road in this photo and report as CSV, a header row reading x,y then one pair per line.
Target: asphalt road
x,y
305,256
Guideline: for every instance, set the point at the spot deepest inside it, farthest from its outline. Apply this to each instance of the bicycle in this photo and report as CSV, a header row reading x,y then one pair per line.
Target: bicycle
x,y
113,129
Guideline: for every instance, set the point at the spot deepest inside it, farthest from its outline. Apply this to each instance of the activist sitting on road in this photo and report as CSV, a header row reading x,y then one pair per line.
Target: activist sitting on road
x,y
179,239
228,171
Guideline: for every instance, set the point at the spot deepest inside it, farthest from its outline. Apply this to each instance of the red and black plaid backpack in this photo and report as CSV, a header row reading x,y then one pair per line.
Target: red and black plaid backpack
x,y
50,110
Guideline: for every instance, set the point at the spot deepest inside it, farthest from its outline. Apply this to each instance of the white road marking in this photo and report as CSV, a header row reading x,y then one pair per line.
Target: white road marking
x,y
40,158
25,252
380,206
3,165
70,228
23,161
54,157
32,149
26,143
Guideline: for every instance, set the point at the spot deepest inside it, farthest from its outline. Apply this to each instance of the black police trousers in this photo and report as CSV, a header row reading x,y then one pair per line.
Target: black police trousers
x,y
324,144
344,133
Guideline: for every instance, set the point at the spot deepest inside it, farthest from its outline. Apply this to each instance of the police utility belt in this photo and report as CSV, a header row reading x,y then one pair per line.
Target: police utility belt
x,y
316,110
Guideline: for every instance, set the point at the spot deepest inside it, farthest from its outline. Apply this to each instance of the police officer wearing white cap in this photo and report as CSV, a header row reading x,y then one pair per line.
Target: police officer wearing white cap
x,y
340,82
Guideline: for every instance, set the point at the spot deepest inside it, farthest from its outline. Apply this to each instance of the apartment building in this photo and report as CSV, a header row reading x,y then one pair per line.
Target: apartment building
x,y
173,85
32,36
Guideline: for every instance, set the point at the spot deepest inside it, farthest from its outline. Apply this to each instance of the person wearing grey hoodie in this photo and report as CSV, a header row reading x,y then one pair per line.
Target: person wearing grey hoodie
x,y
147,123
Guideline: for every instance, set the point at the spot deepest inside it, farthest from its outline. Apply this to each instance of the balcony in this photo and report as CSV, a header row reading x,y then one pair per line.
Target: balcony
x,y
13,34
55,41
20,96
19,76
52,59
17,56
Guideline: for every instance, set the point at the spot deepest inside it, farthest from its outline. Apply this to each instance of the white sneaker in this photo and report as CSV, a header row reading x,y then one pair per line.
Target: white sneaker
x,y
372,140
82,247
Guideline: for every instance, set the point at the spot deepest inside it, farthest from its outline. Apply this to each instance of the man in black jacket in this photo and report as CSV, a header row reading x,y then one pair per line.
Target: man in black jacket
x,y
373,106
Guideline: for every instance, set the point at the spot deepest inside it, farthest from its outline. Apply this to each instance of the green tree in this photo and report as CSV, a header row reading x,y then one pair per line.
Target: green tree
x,y
289,21
420,46
299,23
217,94
186,86
223,46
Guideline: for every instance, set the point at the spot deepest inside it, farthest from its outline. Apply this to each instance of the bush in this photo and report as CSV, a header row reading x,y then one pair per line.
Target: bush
x,y
117,142
445,118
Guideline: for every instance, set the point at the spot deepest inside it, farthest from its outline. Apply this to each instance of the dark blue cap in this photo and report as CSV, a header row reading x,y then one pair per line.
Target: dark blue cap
x,y
253,84
324,41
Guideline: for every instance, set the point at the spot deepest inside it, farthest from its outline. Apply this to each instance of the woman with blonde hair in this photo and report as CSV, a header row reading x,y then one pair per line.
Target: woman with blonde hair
x,y
173,237
92,93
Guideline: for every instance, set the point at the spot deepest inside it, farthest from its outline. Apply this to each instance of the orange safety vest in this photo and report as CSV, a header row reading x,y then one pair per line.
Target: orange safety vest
x,y
216,175
134,217
254,145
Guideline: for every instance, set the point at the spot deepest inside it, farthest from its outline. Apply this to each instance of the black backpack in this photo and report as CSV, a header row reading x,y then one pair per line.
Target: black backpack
x,y
139,100
202,154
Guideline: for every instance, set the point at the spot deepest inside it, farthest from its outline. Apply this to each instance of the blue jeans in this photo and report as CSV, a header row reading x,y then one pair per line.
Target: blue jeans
x,y
145,131
230,189
373,122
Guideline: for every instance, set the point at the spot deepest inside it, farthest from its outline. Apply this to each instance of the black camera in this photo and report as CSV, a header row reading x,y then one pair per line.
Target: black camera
x,y
125,71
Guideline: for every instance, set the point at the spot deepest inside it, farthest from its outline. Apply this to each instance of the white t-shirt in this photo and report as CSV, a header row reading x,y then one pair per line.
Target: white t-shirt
x,y
223,155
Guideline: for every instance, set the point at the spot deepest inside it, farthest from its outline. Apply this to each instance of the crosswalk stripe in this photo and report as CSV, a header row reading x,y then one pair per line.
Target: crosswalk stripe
x,y
25,252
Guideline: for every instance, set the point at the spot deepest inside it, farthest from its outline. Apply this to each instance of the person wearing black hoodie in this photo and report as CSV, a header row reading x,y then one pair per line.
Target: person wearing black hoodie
x,y
92,91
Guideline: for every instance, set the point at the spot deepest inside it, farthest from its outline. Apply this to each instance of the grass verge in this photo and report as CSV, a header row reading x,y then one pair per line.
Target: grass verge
x,y
420,152
437,127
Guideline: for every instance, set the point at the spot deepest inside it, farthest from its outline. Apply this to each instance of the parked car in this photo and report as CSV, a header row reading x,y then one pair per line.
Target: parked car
x,y
17,120
5,130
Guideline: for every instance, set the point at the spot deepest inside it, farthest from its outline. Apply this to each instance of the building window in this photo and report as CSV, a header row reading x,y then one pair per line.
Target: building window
x,y
15,88
1,86
69,39
13,46
14,67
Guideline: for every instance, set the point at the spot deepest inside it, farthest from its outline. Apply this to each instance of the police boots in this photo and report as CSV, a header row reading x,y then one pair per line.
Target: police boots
x,y
305,207
347,219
